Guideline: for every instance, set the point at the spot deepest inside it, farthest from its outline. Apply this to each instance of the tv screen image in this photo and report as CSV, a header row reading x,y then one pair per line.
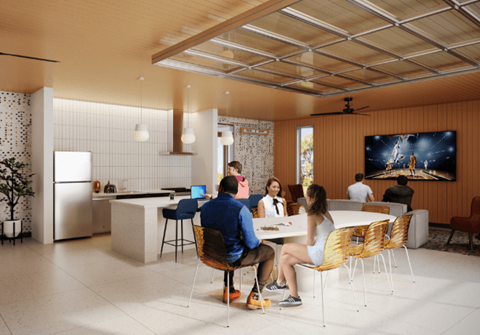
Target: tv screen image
x,y
418,156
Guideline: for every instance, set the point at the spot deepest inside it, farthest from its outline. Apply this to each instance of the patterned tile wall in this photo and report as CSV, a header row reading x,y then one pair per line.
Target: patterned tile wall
x,y
107,131
16,141
254,152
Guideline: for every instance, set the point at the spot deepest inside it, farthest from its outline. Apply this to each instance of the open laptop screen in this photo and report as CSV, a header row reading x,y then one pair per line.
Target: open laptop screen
x,y
196,191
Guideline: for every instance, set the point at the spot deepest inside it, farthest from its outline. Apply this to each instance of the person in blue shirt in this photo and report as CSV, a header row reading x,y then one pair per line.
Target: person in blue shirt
x,y
234,221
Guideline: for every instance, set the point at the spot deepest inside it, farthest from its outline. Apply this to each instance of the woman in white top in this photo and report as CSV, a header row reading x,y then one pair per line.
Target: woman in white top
x,y
320,224
272,205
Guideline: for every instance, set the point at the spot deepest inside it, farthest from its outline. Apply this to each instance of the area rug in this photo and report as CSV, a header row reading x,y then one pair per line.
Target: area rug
x,y
438,237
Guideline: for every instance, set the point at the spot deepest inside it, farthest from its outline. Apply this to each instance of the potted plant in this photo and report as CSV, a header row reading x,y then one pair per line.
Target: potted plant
x,y
14,184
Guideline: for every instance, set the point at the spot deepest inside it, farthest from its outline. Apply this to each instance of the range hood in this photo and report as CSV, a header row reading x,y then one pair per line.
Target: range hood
x,y
177,136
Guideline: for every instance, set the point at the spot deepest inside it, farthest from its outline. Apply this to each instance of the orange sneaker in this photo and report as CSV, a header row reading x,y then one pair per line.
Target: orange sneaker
x,y
233,295
253,301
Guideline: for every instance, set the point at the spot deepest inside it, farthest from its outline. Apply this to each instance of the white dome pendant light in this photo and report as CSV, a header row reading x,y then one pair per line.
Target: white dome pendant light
x,y
141,130
227,136
188,136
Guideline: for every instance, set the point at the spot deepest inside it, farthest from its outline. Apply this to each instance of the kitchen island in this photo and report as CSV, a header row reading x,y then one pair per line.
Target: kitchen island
x,y
135,226
102,208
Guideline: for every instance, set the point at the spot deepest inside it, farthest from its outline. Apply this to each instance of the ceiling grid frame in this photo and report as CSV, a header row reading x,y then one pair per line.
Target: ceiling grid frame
x,y
344,36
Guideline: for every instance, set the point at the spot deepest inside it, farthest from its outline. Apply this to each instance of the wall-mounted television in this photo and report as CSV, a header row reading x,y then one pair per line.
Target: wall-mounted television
x,y
419,156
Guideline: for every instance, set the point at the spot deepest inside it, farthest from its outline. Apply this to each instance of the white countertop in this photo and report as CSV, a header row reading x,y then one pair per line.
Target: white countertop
x,y
106,195
152,202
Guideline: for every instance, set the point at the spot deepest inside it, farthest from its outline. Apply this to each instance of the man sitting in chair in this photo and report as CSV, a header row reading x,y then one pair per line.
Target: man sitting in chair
x,y
234,221
400,193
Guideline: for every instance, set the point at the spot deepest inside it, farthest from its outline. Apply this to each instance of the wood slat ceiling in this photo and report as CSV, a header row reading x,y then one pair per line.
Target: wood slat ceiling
x,y
105,46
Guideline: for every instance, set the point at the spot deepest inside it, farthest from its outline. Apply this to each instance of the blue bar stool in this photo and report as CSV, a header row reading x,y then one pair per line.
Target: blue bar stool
x,y
187,208
245,202
254,199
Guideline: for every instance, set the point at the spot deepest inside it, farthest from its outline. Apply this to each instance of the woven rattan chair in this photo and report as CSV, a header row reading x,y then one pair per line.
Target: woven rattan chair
x,y
374,244
335,256
213,253
360,231
398,238
295,209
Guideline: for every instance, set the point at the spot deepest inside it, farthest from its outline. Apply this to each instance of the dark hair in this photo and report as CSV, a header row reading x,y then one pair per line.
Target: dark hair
x,y
318,197
229,184
402,180
270,181
412,153
236,165
359,177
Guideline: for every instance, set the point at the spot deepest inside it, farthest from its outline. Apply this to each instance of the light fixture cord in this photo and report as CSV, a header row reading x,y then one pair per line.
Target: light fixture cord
x,y
188,105
227,104
141,101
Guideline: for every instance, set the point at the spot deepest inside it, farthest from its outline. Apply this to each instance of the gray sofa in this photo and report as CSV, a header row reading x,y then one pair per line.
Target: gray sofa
x,y
418,231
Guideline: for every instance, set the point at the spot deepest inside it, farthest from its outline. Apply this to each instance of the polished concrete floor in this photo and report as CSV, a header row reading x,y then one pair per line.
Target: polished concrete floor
x,y
82,287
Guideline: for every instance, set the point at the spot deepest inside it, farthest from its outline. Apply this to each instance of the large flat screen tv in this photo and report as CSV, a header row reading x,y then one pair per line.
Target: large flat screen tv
x,y
419,156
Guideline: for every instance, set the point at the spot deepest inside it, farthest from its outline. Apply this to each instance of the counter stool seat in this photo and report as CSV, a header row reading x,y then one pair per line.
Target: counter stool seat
x,y
187,208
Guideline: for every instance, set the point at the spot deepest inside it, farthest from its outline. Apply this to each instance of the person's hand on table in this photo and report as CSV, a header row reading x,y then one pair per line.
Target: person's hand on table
x,y
207,196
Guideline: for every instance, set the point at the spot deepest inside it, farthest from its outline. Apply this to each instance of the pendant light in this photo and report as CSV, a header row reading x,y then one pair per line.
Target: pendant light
x,y
227,136
188,136
141,130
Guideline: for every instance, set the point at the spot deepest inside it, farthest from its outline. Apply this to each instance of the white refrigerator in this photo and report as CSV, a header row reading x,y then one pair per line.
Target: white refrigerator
x,y
72,192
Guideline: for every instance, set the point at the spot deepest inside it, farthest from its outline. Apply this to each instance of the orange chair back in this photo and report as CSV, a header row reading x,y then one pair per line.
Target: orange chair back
x,y
374,242
336,249
294,209
399,234
211,248
376,209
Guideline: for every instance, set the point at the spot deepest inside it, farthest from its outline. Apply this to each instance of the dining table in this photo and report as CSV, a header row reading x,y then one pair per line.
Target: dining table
x,y
293,229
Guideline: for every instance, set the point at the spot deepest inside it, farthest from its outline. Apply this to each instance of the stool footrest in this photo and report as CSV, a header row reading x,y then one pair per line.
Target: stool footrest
x,y
172,242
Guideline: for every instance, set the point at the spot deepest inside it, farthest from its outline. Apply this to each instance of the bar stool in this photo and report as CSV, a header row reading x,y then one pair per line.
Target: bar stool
x,y
187,208
244,202
254,199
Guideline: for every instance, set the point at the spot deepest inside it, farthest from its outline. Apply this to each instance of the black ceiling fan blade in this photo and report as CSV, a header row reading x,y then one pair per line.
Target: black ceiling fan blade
x,y
361,108
321,114
28,57
360,114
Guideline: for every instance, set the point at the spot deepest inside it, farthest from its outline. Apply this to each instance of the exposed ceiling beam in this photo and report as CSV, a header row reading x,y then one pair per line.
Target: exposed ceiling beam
x,y
233,23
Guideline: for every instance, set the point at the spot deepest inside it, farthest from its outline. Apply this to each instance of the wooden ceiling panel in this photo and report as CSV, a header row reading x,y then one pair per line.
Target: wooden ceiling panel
x,y
105,46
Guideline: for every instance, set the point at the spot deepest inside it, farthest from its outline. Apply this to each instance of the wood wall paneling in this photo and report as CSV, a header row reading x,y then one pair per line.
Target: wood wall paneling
x,y
339,153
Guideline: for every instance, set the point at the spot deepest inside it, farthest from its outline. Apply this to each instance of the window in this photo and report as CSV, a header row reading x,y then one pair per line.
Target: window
x,y
224,153
305,156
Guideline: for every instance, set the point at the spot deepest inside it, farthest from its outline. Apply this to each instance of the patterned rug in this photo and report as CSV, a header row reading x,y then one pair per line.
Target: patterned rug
x,y
438,237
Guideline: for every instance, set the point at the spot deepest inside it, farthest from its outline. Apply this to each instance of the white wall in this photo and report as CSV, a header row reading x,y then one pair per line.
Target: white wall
x,y
107,131
204,164
42,164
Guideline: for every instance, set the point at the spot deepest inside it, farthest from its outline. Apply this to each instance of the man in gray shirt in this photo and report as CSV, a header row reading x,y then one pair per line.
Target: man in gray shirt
x,y
400,193
359,191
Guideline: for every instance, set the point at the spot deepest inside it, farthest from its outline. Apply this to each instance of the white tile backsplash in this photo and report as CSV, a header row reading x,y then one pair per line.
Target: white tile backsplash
x,y
107,131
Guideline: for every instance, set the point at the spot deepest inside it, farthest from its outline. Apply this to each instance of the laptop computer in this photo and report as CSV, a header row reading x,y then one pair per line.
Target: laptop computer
x,y
196,192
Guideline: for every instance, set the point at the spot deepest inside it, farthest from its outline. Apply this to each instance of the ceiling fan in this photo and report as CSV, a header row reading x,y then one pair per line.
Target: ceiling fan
x,y
28,57
346,111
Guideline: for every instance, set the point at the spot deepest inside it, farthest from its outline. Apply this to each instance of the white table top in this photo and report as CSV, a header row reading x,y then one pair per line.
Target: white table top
x,y
341,219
